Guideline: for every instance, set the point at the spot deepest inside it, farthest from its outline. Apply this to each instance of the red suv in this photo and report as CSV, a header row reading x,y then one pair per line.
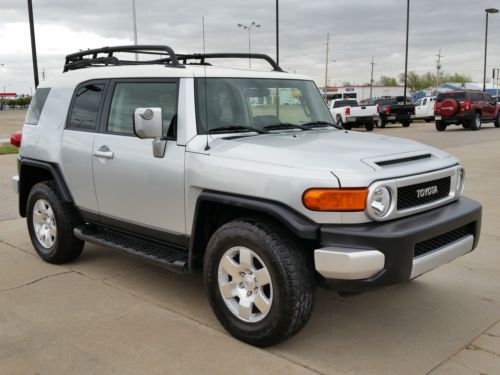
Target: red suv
x,y
468,108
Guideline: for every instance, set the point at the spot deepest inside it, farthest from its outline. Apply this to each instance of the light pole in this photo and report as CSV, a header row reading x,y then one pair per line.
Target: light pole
x,y
406,52
277,34
488,11
249,27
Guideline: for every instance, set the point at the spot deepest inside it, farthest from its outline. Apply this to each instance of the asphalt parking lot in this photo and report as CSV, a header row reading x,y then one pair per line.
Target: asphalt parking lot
x,y
107,313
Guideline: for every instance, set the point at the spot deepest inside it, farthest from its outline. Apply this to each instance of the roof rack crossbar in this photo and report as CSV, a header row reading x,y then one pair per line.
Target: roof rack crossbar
x,y
202,56
78,60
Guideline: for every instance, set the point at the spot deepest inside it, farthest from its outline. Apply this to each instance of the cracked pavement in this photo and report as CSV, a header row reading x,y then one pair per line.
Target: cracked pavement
x,y
108,313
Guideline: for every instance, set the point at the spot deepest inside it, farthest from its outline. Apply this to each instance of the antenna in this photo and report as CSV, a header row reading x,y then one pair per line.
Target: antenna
x,y
207,146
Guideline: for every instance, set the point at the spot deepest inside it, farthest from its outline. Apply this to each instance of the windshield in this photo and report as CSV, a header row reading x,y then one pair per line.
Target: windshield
x,y
451,95
254,103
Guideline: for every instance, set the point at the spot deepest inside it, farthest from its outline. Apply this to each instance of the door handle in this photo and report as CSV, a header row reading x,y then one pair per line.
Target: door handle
x,y
103,152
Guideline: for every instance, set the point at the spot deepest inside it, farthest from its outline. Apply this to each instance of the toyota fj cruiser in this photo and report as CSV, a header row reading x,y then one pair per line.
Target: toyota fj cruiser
x,y
199,168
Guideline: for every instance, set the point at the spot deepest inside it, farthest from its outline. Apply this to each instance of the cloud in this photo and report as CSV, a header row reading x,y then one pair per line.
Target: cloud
x,y
360,29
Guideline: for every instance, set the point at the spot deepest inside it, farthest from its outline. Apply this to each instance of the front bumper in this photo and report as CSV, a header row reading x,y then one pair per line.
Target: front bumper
x,y
360,257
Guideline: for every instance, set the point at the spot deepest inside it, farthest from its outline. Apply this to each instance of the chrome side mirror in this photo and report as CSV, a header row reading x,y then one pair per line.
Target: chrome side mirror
x,y
148,123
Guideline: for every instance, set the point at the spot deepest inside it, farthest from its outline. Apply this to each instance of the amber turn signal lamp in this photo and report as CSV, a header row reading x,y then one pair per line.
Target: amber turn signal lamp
x,y
335,199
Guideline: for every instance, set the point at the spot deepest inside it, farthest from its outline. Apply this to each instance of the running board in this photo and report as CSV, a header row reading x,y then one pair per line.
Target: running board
x,y
163,255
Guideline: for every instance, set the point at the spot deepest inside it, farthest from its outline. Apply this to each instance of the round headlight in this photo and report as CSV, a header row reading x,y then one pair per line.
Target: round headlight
x,y
380,202
460,182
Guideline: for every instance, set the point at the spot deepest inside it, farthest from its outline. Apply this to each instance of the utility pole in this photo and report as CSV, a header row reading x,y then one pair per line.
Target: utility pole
x,y
438,69
371,78
326,61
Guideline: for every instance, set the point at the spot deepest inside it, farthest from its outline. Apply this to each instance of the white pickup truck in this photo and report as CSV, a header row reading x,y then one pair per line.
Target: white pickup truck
x,y
348,113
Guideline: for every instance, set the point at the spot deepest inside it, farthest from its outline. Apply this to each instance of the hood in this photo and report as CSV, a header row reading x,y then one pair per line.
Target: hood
x,y
355,158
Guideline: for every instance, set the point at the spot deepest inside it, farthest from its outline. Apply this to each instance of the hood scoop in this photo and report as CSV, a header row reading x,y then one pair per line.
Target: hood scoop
x,y
385,163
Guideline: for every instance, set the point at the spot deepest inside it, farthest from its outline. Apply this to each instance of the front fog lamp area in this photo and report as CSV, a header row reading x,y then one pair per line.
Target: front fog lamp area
x,y
460,182
380,202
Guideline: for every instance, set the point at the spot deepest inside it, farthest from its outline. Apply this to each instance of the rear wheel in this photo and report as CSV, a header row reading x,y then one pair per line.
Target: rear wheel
x,y
369,126
475,123
440,125
497,120
406,123
381,122
259,283
50,224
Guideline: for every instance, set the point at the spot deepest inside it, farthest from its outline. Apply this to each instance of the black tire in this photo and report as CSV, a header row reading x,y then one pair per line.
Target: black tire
x,y
497,120
291,273
62,247
369,126
475,122
428,120
440,125
406,124
381,122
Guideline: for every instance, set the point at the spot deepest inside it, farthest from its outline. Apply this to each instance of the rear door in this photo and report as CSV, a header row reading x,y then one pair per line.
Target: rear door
x,y
78,141
135,190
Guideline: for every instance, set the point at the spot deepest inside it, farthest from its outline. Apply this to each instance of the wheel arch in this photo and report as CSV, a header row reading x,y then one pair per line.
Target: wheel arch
x,y
214,209
32,172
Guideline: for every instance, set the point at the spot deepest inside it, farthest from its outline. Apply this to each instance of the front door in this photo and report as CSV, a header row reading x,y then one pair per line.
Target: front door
x,y
135,190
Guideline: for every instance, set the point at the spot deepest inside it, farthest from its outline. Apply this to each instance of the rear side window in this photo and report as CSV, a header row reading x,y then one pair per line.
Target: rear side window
x,y
36,106
128,96
84,114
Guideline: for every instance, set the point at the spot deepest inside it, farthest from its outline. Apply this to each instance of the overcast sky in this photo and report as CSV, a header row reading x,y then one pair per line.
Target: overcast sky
x,y
359,30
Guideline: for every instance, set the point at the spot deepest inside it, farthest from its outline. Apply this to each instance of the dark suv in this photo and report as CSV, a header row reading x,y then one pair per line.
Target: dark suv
x,y
468,108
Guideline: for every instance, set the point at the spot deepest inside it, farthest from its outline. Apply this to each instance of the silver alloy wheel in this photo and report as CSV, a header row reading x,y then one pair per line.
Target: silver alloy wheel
x,y
478,122
245,284
44,223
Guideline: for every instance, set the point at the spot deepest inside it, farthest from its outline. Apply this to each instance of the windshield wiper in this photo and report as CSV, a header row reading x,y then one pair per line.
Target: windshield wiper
x,y
320,124
237,129
285,125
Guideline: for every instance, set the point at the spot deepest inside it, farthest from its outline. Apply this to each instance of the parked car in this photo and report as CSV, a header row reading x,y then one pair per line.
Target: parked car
x,y
469,108
391,110
175,164
348,113
424,108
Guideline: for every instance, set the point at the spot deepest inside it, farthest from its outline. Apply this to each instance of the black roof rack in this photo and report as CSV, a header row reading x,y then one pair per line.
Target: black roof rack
x,y
202,56
104,57
91,57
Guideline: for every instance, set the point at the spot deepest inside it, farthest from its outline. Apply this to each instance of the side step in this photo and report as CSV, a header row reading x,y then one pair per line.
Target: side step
x,y
163,255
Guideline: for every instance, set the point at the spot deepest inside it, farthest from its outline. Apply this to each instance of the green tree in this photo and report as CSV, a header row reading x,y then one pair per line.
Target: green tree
x,y
388,81
417,82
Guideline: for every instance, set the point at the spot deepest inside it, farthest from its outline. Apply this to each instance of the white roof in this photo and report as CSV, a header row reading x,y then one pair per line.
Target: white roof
x,y
73,77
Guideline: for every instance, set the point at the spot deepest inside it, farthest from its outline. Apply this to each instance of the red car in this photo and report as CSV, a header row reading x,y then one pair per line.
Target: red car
x,y
469,108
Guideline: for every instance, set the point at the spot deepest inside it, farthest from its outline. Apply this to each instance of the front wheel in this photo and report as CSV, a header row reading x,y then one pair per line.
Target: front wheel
x,y
381,122
260,284
50,224
497,121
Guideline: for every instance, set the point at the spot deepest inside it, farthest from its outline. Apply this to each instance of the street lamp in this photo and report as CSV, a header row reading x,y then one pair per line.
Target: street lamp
x,y
488,11
249,27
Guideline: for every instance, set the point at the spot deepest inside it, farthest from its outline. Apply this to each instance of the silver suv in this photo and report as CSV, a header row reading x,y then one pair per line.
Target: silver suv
x,y
238,174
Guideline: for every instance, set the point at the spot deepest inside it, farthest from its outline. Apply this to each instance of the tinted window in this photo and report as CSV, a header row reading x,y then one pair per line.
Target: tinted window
x,y
488,97
129,96
451,95
424,102
473,97
480,97
36,106
86,107
345,103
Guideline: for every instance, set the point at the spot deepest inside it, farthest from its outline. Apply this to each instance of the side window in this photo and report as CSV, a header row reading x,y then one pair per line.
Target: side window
x,y
418,102
84,114
424,102
480,97
128,96
36,106
473,97
488,98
